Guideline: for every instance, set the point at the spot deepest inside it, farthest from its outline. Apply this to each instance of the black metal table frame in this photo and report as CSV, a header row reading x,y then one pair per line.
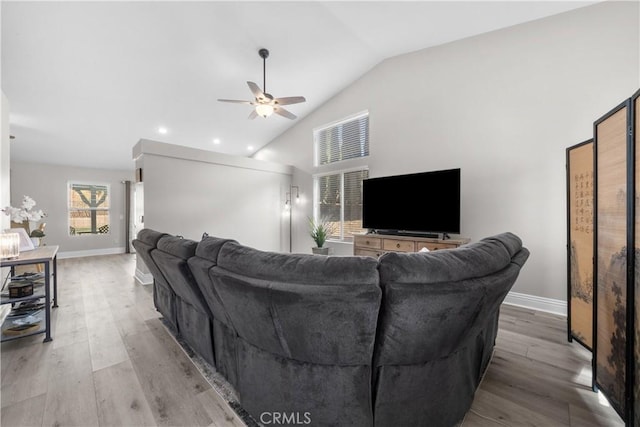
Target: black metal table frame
x,y
12,264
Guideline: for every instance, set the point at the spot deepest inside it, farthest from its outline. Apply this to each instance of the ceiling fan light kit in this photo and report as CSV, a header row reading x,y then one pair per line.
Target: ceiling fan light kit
x,y
265,104
264,110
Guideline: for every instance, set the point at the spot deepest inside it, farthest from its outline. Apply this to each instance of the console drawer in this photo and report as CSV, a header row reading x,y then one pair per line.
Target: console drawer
x,y
434,246
368,252
368,242
375,245
399,245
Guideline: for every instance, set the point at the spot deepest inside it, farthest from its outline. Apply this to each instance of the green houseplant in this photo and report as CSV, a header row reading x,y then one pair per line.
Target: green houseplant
x,y
319,232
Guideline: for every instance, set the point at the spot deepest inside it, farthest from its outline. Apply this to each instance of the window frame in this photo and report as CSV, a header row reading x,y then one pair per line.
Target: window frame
x,y
71,183
338,167
316,198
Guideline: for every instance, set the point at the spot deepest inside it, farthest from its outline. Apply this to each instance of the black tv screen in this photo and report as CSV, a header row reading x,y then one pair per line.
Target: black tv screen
x,y
426,202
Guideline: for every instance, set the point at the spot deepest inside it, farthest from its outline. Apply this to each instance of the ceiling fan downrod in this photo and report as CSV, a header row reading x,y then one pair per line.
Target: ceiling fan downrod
x,y
264,54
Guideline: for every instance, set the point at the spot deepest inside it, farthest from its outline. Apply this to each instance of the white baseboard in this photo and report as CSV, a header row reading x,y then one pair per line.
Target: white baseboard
x,y
90,252
143,278
533,302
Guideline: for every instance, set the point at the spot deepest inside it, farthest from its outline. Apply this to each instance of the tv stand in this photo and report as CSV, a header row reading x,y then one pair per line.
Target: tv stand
x,y
405,233
376,244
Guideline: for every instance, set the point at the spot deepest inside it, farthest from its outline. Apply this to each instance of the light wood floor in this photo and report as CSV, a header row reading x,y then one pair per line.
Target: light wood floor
x,y
112,363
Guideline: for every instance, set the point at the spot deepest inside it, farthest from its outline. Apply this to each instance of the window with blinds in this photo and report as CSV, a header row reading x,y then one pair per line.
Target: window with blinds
x,y
339,202
346,139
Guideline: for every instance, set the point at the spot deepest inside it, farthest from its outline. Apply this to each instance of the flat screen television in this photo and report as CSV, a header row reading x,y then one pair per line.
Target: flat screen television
x,y
418,203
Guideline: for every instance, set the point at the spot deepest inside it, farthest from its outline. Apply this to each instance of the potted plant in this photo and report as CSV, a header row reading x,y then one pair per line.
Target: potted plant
x,y
319,231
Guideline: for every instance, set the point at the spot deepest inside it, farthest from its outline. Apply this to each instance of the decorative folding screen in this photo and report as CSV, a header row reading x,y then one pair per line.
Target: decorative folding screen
x,y
635,352
580,242
616,340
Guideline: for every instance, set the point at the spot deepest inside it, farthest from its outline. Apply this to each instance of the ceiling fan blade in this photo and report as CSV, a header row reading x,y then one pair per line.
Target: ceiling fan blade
x,y
255,89
236,101
290,100
253,115
284,113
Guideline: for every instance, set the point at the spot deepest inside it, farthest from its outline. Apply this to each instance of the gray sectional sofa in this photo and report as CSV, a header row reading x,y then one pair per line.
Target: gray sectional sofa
x,y
338,341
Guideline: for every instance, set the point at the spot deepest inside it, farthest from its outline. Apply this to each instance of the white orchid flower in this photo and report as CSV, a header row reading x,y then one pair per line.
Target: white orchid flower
x,y
25,212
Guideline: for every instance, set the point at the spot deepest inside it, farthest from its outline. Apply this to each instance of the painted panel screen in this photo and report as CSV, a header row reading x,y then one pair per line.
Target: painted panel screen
x,y
580,217
611,280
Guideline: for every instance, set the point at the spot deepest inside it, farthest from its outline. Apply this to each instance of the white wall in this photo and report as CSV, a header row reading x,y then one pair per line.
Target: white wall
x,y
503,107
5,178
188,192
5,158
47,185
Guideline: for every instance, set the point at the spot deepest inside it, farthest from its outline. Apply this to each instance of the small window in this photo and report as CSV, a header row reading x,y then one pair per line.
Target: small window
x,y
339,202
88,209
346,139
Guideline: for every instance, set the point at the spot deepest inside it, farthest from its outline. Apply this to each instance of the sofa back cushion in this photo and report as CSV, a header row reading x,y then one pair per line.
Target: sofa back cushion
x,y
145,242
435,302
171,257
205,258
314,309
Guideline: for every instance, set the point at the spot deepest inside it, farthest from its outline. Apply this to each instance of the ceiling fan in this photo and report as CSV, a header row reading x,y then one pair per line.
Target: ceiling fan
x,y
265,104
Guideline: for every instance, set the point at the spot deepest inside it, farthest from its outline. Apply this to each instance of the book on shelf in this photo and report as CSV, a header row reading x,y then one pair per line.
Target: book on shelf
x,y
27,308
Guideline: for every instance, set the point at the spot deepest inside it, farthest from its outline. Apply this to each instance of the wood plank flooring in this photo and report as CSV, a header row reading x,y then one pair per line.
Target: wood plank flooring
x,y
112,363
537,378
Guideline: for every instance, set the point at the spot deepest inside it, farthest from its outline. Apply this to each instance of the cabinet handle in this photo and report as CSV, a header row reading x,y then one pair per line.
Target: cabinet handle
x,y
398,245
366,243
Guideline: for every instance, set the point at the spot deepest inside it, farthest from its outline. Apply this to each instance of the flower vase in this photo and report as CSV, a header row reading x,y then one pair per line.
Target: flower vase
x,y
35,241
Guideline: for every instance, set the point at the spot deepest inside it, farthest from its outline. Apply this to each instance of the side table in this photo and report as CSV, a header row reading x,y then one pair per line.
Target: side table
x,y
47,255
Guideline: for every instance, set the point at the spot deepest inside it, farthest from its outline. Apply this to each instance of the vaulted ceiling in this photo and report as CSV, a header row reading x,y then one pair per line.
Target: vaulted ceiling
x,y
86,80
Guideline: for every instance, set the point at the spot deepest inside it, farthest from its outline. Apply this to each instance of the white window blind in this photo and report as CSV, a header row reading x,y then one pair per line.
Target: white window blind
x,y
339,202
347,139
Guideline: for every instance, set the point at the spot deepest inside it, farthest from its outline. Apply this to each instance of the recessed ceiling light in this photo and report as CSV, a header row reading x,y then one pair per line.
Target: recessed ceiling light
x,y
162,130
250,147
216,141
